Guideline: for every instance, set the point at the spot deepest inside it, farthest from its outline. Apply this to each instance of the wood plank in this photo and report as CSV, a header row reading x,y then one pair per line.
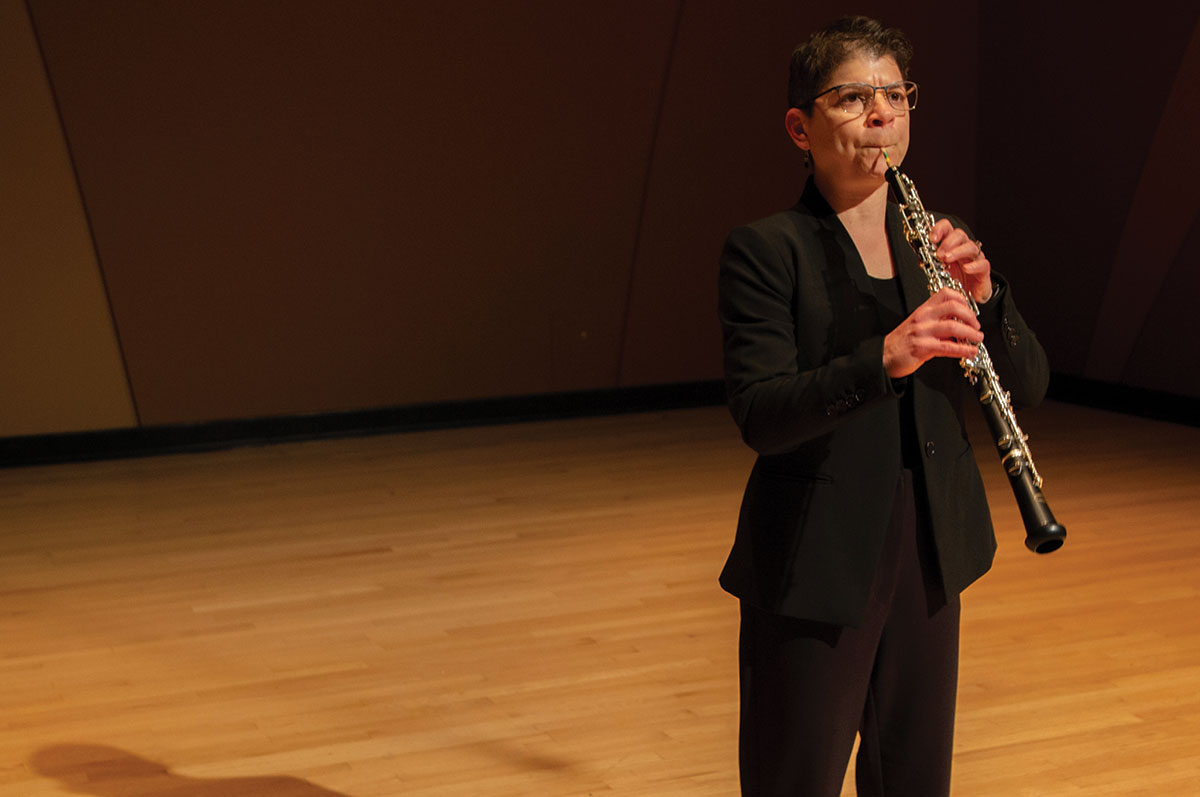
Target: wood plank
x,y
533,609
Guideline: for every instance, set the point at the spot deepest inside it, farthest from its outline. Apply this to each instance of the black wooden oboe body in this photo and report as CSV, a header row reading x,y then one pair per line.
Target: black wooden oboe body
x,y
1043,534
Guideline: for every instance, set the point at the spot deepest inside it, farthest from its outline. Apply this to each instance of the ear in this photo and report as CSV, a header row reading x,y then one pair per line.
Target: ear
x,y
794,121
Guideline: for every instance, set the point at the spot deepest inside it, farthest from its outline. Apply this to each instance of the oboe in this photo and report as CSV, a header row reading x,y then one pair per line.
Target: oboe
x,y
1043,534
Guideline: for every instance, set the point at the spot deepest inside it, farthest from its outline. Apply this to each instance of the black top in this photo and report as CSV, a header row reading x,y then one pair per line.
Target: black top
x,y
892,310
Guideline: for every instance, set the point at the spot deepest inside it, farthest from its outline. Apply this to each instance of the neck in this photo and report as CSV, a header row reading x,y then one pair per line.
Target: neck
x,y
855,203
864,215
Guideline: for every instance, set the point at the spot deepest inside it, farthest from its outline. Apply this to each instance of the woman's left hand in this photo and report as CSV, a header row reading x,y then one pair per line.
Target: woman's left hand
x,y
964,259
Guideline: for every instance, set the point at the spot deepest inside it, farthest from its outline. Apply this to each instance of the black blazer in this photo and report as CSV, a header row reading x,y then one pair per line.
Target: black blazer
x,y
806,385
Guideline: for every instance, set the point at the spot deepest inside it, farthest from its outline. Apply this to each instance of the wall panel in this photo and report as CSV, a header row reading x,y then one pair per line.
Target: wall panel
x,y
314,206
60,358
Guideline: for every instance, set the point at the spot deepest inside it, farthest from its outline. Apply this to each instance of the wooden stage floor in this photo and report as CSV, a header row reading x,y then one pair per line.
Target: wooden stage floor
x,y
533,610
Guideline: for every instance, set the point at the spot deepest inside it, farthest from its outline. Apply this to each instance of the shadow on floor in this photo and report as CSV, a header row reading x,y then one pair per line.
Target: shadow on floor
x,y
110,772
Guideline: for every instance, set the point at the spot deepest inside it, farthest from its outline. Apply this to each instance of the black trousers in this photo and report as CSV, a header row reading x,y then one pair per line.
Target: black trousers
x,y
807,688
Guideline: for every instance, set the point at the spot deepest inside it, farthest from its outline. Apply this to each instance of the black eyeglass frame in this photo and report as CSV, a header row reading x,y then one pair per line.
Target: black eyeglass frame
x,y
908,94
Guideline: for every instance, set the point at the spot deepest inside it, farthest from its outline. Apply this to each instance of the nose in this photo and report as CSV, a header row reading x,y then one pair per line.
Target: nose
x,y
881,112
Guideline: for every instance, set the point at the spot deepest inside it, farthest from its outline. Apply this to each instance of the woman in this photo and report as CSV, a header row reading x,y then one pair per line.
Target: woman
x,y
864,515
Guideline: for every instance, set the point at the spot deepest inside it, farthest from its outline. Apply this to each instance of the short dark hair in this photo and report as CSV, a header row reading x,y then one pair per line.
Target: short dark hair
x,y
824,51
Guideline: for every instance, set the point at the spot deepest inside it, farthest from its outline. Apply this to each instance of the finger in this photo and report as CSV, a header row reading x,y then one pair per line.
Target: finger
x,y
969,270
976,277
955,329
961,351
976,269
940,229
928,349
950,303
975,263
974,251
958,248
962,343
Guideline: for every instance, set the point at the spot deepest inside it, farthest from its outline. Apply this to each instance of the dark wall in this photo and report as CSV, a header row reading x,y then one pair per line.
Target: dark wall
x,y
316,206
1088,182
303,207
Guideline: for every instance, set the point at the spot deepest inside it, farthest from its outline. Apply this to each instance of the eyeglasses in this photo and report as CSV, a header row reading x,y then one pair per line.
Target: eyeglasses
x,y
855,98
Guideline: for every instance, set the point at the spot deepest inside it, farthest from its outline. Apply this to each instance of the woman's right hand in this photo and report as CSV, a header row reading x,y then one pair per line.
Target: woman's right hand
x,y
943,326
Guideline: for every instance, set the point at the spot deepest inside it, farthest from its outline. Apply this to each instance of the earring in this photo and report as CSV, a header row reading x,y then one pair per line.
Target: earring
x,y
807,159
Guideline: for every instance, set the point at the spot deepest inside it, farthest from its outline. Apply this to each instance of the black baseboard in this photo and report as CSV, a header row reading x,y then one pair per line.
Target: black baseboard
x,y
1125,399
155,440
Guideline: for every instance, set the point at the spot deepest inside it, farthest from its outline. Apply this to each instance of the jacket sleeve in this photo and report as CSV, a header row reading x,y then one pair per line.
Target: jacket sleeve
x,y
1018,357
782,391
